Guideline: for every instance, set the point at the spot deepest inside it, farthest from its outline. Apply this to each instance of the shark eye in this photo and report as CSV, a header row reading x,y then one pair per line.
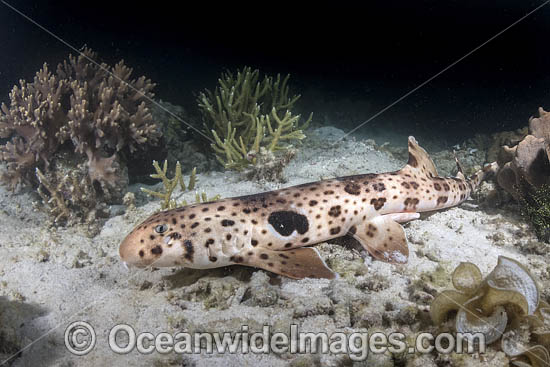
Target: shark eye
x,y
161,228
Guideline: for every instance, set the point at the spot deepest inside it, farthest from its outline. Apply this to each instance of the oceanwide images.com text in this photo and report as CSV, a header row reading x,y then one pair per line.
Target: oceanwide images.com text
x,y
80,339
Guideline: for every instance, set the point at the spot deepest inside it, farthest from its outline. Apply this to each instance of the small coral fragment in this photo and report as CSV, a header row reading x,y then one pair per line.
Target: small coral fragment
x,y
169,184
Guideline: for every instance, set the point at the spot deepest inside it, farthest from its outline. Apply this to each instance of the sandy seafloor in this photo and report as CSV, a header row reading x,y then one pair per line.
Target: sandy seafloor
x,y
51,277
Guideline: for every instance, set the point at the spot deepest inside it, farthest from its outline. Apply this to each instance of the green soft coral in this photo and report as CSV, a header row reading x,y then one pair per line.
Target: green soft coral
x,y
244,114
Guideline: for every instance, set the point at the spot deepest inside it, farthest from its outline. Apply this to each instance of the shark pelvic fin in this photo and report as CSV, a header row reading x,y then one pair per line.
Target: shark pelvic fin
x,y
419,160
384,238
297,263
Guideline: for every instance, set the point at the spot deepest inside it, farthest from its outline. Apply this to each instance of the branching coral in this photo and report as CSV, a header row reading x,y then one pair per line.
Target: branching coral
x,y
505,305
92,109
244,114
169,184
32,123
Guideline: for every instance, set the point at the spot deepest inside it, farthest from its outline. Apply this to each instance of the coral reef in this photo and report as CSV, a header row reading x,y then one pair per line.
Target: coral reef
x,y
525,173
87,108
244,114
526,165
169,184
536,208
506,305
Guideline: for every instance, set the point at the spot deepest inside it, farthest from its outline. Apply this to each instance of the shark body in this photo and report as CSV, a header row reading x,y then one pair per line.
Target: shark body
x,y
273,230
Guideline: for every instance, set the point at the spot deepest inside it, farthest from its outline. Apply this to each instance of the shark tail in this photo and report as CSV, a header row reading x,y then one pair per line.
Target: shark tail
x,y
488,170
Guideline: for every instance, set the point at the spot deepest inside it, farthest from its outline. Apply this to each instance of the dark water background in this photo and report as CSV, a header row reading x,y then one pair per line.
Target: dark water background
x,y
347,61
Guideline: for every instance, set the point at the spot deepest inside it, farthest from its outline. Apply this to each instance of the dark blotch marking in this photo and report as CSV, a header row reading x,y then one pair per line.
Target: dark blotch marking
x,y
213,259
157,250
189,250
221,208
192,216
285,222
371,230
353,230
204,209
328,192
306,239
141,253
379,187
227,222
378,203
411,203
254,242
414,185
194,224
283,256
442,200
405,185
152,237
446,187
209,242
335,230
174,220
288,244
228,236
352,188
175,236
264,256
208,230
246,210
335,211
437,186
313,202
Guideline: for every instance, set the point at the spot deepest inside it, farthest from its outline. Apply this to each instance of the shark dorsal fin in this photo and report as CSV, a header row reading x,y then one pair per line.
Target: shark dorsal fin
x,y
419,160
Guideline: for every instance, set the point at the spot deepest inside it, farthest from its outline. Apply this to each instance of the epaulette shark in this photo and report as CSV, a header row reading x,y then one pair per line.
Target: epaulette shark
x,y
275,230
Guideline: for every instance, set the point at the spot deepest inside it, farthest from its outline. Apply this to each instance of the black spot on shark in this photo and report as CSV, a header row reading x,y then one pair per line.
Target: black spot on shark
x,y
286,222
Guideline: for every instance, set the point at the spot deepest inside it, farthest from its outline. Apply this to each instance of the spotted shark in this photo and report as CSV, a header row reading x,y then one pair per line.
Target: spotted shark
x,y
275,230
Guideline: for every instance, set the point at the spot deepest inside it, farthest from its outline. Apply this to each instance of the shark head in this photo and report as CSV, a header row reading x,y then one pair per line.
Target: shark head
x,y
162,240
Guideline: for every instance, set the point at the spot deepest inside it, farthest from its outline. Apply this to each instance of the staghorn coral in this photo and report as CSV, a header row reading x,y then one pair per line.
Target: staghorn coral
x,y
169,184
91,109
244,114
505,305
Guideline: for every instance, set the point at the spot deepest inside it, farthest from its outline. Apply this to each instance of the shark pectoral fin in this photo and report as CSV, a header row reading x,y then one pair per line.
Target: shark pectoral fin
x,y
298,263
384,239
403,217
